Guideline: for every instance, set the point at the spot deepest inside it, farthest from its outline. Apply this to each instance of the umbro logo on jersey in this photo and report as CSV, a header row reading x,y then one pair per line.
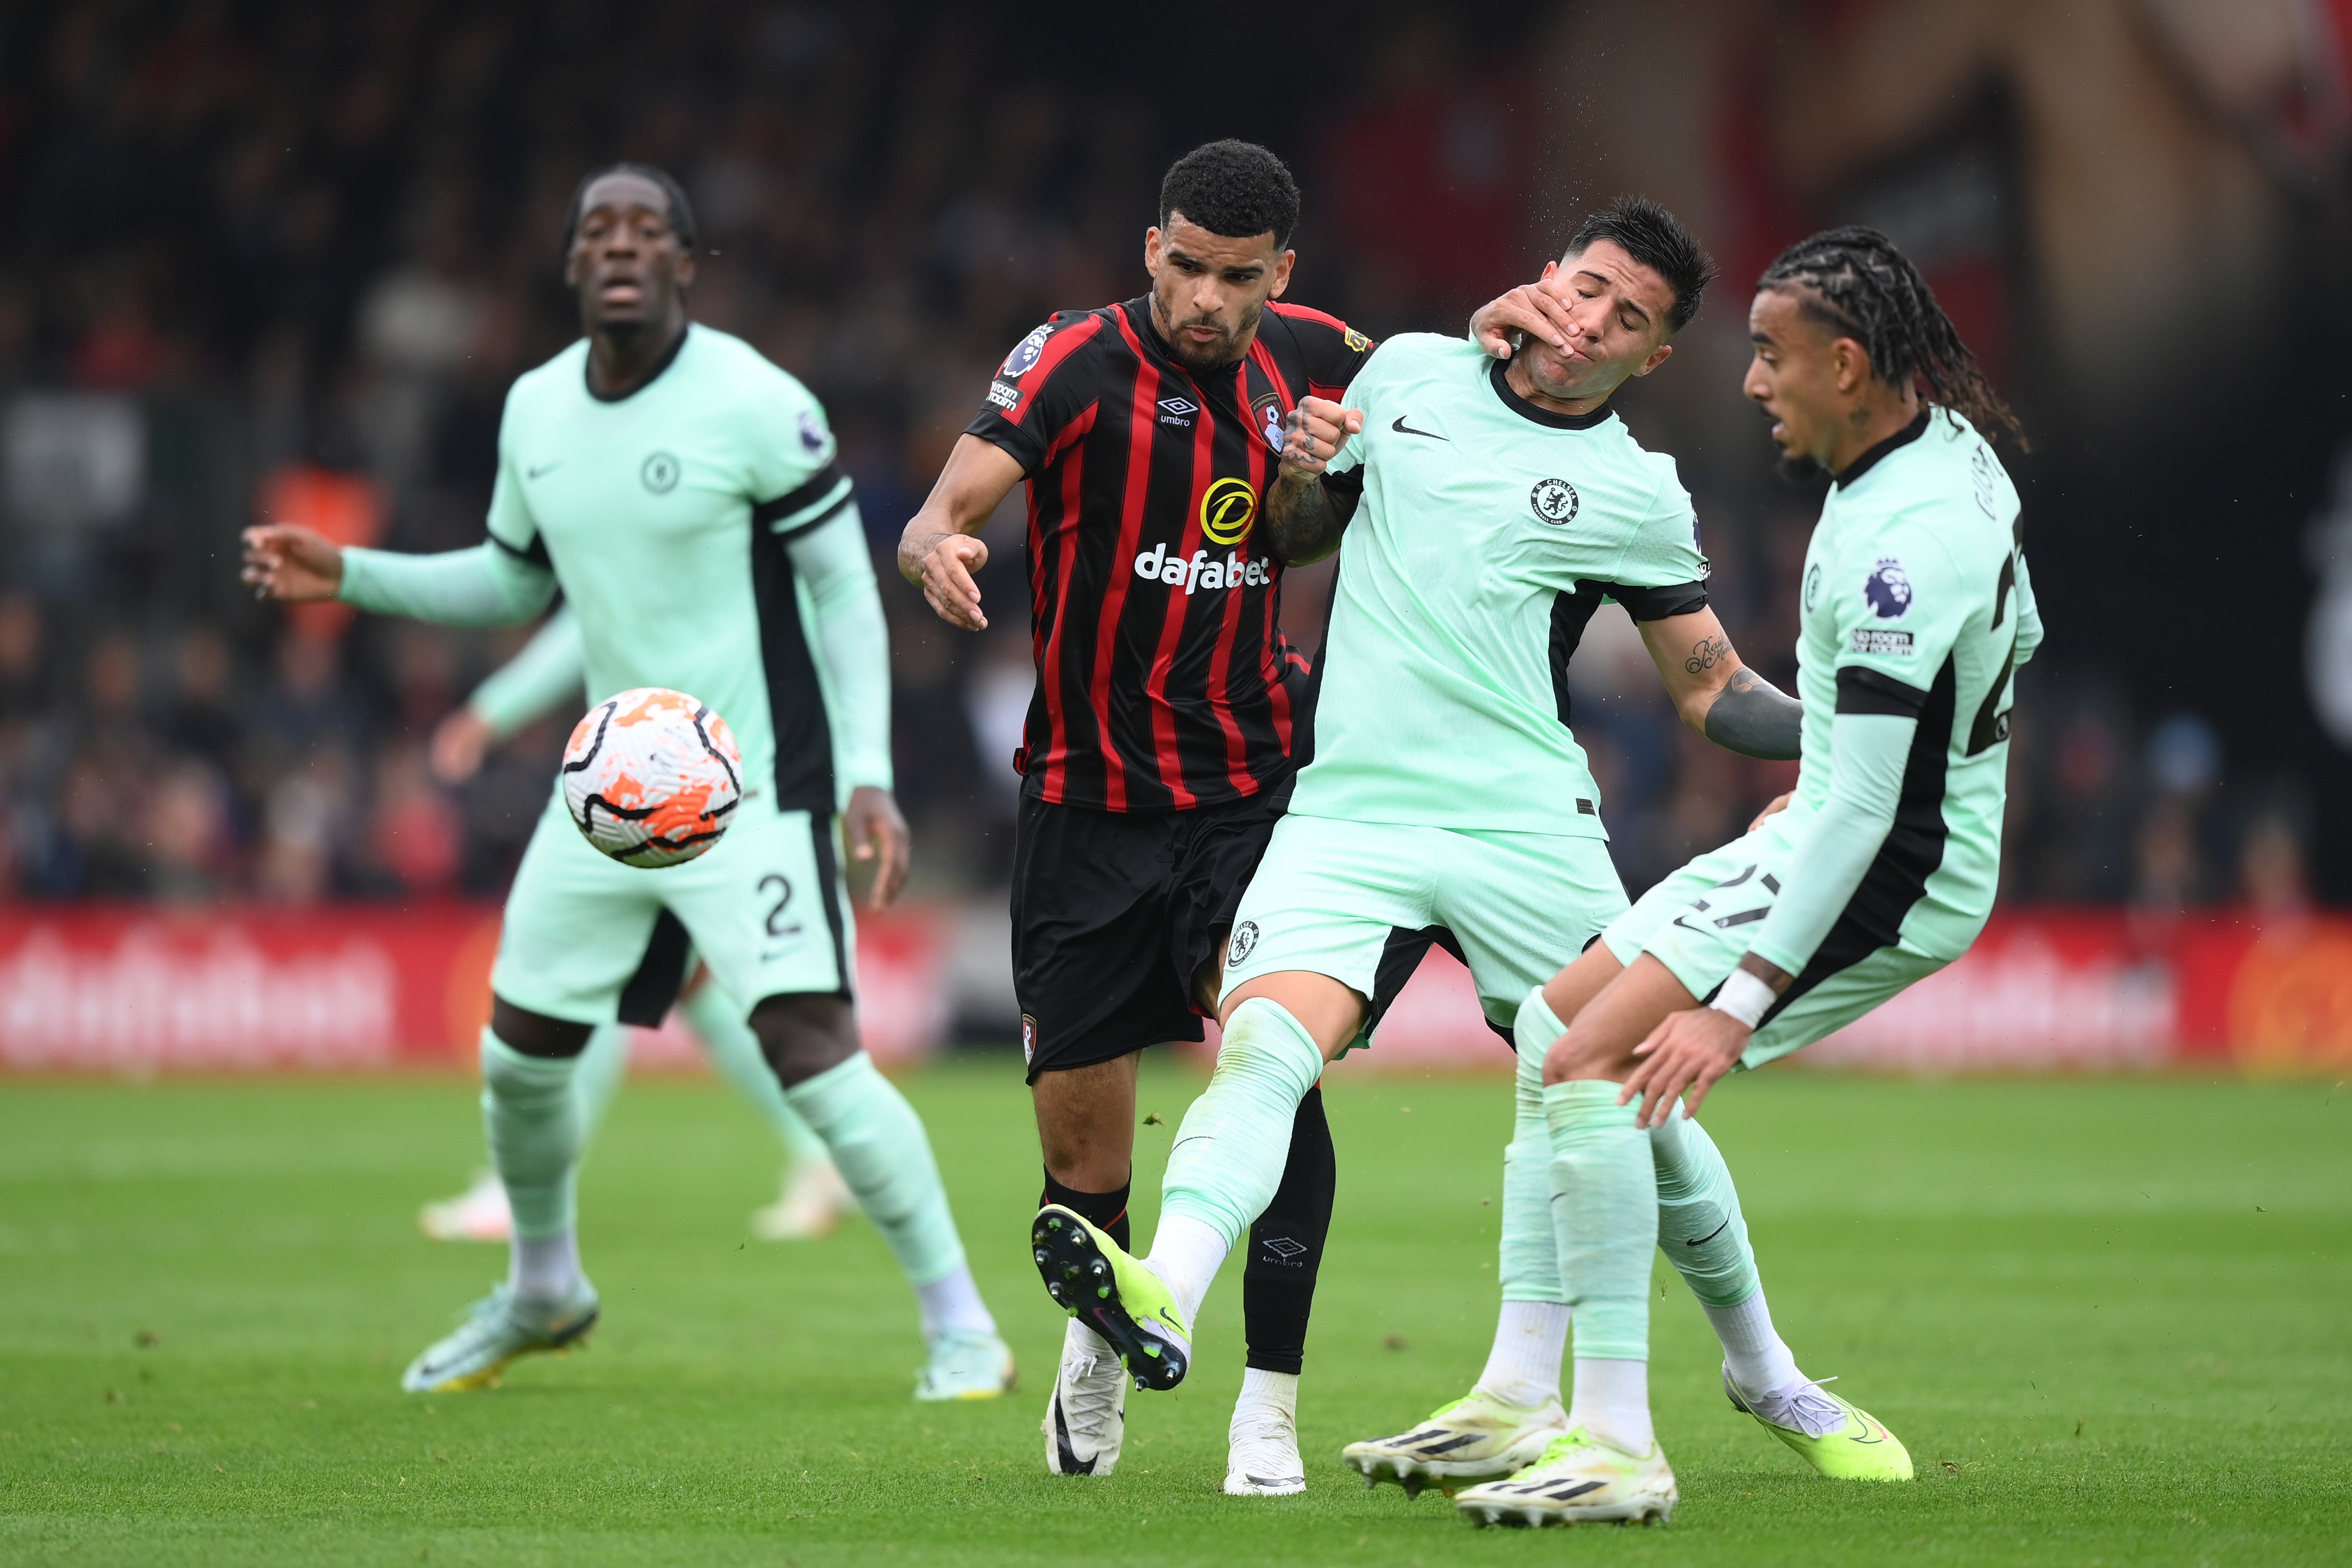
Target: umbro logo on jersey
x,y
1401,429
1177,411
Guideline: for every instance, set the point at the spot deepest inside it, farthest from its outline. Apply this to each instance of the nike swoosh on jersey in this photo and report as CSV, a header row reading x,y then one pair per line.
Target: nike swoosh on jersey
x,y
543,468
1401,429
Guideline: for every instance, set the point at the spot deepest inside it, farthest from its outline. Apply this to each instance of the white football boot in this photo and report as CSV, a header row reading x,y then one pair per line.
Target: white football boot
x,y
1085,1420
498,1328
1475,1438
477,1213
1262,1454
1580,1479
814,1201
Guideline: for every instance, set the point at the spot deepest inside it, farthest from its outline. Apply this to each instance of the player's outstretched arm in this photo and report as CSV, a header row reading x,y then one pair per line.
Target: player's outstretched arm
x,y
488,586
1304,516
1715,694
548,672
853,641
940,550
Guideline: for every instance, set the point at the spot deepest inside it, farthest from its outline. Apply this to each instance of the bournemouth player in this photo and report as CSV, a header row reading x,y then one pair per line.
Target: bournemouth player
x,y
1158,753
1916,610
1501,505
684,494
547,675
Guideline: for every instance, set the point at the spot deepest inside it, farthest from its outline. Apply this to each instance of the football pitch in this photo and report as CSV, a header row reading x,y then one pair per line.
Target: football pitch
x,y
2109,1317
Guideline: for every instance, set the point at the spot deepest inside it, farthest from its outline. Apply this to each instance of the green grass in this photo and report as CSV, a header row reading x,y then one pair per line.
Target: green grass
x,y
2108,1317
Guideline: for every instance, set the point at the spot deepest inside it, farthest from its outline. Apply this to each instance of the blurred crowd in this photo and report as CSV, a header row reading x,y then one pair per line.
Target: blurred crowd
x,y
277,260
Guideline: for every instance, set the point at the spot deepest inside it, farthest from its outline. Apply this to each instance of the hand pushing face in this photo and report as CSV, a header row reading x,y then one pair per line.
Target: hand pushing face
x,y
1612,317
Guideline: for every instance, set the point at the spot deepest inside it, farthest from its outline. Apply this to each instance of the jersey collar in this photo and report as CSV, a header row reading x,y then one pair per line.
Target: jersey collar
x,y
1870,459
660,370
1525,410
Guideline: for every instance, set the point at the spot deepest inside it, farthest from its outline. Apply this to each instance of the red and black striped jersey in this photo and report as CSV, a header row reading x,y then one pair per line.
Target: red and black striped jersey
x,y
1163,680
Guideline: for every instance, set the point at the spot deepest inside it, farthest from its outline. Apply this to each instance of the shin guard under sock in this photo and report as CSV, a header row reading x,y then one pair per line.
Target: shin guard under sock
x,y
1230,1152
1285,1246
532,1112
879,1146
1530,1263
1605,1214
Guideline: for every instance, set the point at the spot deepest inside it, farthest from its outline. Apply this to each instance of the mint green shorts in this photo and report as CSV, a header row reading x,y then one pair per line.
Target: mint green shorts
x,y
1361,900
591,940
1699,921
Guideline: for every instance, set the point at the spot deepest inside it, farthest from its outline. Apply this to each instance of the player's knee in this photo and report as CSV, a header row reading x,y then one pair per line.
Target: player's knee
x,y
536,1034
803,1035
1582,1053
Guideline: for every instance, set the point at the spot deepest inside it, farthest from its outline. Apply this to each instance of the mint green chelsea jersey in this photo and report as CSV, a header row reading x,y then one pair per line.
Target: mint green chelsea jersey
x,y
1488,533
661,515
1915,604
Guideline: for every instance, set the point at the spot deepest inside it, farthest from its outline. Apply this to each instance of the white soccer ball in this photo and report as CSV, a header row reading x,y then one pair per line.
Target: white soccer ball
x,y
652,777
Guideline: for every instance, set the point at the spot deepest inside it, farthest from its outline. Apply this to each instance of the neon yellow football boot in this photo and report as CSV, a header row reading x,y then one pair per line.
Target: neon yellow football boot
x,y
1579,1479
1091,1278
1839,1439
1475,1438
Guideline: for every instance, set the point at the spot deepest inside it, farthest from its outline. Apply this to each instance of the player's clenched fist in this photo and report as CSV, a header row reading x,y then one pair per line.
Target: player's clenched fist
x,y
1314,431
293,565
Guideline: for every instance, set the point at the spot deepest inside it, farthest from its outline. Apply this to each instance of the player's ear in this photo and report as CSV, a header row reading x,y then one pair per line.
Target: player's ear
x,y
685,266
1282,274
1151,237
1849,364
1658,356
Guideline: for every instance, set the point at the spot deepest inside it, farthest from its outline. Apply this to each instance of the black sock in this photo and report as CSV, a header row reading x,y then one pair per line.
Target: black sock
x,y
1285,1245
1107,1211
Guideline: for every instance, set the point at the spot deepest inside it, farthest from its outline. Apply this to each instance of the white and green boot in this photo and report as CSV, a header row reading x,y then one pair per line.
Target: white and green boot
x,y
966,1366
1475,1438
1093,1279
1840,1439
497,1329
1579,1479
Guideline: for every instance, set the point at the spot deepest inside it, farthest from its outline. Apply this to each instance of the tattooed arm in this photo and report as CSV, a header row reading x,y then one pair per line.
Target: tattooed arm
x,y
1715,694
1305,516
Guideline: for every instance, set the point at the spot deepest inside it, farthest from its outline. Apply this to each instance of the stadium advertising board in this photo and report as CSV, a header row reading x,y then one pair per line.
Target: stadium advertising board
x,y
137,990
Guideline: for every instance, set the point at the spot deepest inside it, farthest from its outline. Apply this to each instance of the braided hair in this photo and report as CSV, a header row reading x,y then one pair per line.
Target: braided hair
x,y
1854,282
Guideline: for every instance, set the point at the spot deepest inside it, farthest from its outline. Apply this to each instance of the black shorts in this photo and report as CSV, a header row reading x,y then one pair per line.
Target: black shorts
x,y
1114,914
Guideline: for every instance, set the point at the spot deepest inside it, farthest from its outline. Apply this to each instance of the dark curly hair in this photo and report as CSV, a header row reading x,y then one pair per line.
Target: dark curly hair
x,y
681,211
1237,189
1658,239
1854,282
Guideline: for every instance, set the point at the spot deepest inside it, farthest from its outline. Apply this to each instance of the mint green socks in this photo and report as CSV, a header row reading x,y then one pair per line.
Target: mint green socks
x,y
1605,1214
885,1156
734,1050
1530,1263
1701,1233
602,1064
531,1111
1699,1225
1229,1152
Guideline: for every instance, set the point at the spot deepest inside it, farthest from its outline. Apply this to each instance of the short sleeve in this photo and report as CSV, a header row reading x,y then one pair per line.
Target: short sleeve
x,y
1899,608
796,476
1041,389
1662,572
1344,474
511,526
